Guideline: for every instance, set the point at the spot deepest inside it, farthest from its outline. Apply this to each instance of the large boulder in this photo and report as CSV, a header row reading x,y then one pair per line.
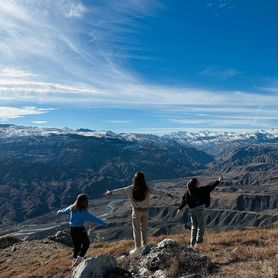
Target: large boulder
x,y
166,259
96,267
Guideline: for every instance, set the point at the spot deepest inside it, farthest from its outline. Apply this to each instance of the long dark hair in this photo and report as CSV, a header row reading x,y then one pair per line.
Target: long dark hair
x,y
139,188
81,203
191,186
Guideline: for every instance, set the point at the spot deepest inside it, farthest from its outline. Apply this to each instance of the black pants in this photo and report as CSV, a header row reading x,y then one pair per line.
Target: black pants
x,y
80,241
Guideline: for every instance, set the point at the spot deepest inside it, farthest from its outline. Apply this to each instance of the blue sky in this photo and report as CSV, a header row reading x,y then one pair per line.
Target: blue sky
x,y
139,66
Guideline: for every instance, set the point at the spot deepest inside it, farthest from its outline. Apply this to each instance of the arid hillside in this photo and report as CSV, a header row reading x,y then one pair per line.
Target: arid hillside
x,y
246,253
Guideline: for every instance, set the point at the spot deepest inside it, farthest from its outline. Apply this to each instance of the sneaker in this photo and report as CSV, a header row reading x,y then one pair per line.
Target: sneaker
x,y
77,261
135,251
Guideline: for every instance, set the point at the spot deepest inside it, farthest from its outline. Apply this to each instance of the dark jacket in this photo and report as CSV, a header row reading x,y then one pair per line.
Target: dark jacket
x,y
200,196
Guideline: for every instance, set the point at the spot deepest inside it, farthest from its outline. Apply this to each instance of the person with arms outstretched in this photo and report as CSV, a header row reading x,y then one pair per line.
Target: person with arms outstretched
x,y
197,198
139,194
78,213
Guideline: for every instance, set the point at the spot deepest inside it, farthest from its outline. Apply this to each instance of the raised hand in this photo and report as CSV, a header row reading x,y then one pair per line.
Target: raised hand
x,y
107,193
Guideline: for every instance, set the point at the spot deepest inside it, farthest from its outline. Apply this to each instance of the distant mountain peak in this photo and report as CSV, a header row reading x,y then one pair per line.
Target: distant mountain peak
x,y
201,138
85,130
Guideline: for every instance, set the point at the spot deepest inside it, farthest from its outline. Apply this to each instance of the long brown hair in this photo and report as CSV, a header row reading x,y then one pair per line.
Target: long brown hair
x,y
139,188
81,203
192,185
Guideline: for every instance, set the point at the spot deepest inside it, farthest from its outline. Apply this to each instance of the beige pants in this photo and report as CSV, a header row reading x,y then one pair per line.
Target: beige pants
x,y
140,220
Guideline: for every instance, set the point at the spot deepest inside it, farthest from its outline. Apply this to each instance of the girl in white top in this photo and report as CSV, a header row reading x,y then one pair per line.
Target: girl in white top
x,y
139,195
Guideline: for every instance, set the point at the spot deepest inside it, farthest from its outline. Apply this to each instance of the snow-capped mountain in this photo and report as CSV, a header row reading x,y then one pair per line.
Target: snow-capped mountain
x,y
10,131
212,142
219,143
208,137
201,137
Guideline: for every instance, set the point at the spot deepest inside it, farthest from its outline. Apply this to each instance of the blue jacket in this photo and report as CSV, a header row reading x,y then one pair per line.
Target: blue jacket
x,y
78,218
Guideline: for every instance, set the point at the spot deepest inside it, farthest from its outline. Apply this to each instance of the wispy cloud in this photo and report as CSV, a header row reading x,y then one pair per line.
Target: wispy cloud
x,y
14,73
52,57
36,87
227,117
227,122
220,7
15,112
118,121
39,122
75,9
50,34
217,72
271,87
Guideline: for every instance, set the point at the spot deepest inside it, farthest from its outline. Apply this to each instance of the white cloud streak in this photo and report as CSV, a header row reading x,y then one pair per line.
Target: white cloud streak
x,y
7,112
76,10
118,121
35,88
224,74
14,73
220,7
39,122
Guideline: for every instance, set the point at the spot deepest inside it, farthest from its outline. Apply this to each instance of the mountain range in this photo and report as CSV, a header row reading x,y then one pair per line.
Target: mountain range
x,y
45,168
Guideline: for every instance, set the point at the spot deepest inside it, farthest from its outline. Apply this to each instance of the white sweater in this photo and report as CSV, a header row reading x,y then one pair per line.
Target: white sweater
x,y
145,204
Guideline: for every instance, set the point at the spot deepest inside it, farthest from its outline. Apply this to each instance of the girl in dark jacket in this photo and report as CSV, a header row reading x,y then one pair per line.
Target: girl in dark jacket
x,y
197,198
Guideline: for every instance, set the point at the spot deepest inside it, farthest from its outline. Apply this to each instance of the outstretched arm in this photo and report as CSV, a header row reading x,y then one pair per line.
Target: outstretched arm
x,y
119,191
65,211
183,204
216,183
90,217
160,193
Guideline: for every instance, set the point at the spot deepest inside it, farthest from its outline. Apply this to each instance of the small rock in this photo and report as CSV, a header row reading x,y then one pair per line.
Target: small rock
x,y
121,259
14,248
59,234
160,274
167,243
143,272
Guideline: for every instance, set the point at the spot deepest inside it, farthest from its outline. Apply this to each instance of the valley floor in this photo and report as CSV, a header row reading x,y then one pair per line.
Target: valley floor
x,y
247,253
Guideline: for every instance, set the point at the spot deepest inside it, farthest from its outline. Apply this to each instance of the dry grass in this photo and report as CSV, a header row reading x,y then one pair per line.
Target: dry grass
x,y
35,259
248,253
115,248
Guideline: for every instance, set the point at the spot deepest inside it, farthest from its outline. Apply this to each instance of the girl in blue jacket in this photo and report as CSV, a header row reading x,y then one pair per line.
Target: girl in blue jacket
x,y
78,213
